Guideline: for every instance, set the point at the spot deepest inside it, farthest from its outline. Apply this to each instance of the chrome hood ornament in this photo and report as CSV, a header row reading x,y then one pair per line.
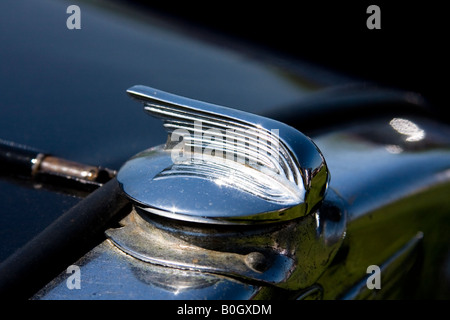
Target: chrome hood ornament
x,y
223,166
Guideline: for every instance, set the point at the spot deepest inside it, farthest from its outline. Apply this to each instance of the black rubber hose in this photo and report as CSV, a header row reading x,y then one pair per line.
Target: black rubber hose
x,y
17,158
62,243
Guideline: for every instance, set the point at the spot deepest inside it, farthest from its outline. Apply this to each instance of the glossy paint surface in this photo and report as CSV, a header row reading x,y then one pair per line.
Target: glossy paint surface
x,y
64,92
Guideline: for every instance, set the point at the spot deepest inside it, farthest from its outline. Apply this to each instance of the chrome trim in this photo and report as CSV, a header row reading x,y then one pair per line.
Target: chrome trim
x,y
229,167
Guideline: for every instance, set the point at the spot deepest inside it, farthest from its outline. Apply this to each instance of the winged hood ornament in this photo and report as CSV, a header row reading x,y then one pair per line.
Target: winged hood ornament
x,y
221,165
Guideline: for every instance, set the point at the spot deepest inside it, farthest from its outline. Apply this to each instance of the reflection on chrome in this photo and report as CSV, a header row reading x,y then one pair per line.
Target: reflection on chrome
x,y
221,165
266,185
407,128
393,148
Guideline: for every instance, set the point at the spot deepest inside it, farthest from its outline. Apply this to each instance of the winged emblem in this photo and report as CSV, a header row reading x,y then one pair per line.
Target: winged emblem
x,y
223,165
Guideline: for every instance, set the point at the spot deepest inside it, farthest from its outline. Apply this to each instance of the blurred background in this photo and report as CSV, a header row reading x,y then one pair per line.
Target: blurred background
x,y
408,52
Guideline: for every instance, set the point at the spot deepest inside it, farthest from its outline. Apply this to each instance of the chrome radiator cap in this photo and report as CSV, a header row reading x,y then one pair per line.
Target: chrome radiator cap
x,y
223,166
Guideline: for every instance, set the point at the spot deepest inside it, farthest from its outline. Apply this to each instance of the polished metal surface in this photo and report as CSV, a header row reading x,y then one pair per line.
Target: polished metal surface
x,y
86,117
391,175
143,240
224,166
289,255
109,274
152,257
379,215
394,175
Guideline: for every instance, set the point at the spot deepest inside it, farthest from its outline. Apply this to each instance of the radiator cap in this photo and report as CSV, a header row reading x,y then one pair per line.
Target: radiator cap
x,y
223,166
